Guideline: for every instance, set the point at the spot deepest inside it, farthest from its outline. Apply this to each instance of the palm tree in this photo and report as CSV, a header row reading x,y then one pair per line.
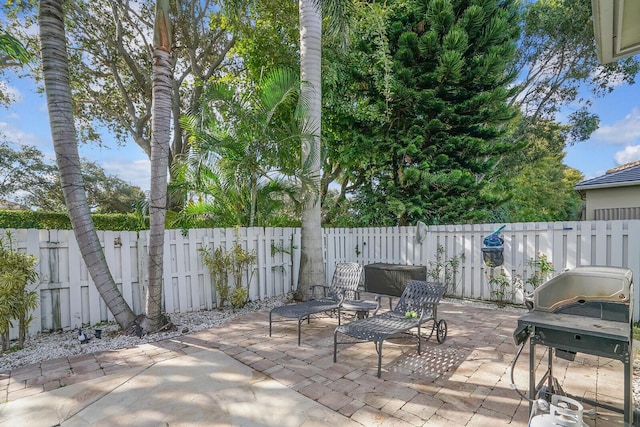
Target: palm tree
x,y
162,81
56,79
241,140
311,259
12,52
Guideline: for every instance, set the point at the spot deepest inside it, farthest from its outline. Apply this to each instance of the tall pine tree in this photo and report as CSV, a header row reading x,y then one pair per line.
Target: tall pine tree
x,y
444,109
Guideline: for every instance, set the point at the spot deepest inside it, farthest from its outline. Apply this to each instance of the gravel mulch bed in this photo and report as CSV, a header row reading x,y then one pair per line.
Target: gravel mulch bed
x,y
54,345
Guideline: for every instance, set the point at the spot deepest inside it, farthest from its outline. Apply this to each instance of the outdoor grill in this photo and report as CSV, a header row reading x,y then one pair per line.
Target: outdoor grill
x,y
586,310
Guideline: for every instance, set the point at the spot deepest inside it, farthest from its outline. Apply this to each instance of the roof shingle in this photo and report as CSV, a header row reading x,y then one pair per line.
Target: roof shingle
x,y
628,174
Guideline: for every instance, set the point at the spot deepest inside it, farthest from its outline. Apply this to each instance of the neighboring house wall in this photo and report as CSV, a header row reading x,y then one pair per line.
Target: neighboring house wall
x,y
613,203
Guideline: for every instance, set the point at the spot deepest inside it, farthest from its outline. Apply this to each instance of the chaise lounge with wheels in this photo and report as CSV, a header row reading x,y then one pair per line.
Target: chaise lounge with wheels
x,y
344,286
417,305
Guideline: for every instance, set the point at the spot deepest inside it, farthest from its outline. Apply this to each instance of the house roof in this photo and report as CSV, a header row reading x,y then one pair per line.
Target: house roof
x,y
624,175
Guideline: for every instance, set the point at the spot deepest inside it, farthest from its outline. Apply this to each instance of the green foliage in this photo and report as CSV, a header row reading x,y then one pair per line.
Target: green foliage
x,y
445,270
270,39
23,171
13,54
536,183
242,166
540,270
218,263
17,271
239,298
424,142
26,178
60,221
12,49
544,191
500,286
225,265
557,58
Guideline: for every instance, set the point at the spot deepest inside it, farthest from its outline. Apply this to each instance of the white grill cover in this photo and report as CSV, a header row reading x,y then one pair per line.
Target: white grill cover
x,y
588,283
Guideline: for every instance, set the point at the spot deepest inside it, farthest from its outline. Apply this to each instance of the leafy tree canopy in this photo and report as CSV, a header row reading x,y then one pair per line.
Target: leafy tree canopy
x,y
558,67
538,186
242,167
431,123
111,61
26,177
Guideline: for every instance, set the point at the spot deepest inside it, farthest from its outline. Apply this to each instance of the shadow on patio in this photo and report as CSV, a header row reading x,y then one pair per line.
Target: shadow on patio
x,y
463,382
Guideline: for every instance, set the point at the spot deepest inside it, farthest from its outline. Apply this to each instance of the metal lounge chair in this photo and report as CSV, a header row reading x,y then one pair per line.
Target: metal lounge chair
x,y
418,297
344,285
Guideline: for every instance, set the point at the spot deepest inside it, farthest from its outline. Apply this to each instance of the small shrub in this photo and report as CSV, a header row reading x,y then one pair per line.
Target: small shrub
x,y
230,265
239,298
541,269
445,270
217,261
500,286
17,271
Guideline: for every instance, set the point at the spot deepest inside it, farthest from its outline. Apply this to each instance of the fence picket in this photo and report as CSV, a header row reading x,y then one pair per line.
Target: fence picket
x,y
601,243
617,252
126,260
92,316
109,244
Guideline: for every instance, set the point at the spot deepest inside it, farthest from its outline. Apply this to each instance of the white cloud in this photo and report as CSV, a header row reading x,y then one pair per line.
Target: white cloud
x,y
629,154
17,136
623,132
136,172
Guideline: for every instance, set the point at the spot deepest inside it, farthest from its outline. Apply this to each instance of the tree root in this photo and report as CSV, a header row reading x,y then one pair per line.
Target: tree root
x,y
140,326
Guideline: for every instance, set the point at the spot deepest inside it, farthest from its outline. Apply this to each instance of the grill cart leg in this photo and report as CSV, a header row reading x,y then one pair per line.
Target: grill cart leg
x,y
532,374
628,400
550,381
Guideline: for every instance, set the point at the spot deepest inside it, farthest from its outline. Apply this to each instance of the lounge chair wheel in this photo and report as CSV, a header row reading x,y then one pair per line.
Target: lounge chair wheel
x,y
441,333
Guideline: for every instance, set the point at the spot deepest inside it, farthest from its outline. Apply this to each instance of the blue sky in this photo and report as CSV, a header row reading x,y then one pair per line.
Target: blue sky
x,y
615,143
26,121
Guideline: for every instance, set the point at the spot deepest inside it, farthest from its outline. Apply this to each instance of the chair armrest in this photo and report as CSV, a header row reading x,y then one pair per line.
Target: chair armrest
x,y
427,310
323,287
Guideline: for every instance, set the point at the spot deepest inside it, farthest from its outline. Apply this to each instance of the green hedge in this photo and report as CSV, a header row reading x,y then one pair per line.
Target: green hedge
x,y
60,221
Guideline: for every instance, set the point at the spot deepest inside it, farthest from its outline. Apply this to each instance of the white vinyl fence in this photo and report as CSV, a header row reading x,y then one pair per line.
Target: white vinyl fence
x,y
68,298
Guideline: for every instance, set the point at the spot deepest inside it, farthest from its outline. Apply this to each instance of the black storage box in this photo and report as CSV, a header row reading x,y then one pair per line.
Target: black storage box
x,y
391,279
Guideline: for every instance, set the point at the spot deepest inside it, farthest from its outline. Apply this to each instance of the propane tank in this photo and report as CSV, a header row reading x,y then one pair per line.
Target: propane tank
x,y
563,412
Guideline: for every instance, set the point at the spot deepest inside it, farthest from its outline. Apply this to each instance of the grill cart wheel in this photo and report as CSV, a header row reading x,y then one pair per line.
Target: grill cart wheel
x,y
441,333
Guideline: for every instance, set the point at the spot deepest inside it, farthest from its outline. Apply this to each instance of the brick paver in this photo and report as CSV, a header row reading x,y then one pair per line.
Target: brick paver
x,y
462,382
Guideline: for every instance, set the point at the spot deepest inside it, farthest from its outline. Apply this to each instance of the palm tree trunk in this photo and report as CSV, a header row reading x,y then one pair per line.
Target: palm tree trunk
x,y
160,143
56,79
311,262
254,200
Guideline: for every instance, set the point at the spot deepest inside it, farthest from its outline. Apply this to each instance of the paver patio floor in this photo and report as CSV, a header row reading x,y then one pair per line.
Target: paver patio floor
x,y
463,382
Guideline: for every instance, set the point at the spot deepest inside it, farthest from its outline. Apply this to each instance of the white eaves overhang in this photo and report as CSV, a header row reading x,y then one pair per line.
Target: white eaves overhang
x,y
616,25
